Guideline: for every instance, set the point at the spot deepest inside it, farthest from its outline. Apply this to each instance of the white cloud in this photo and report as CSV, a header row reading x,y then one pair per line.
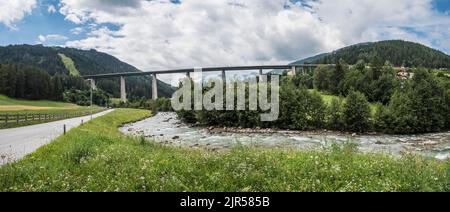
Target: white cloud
x,y
12,11
51,9
77,30
52,38
158,34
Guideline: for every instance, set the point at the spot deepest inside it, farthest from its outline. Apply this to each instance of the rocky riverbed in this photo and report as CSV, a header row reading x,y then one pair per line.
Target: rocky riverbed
x,y
166,128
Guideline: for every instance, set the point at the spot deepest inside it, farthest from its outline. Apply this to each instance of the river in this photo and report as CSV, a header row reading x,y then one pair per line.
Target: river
x,y
166,128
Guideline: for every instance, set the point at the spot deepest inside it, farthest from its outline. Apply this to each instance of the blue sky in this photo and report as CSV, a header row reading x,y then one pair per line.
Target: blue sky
x,y
442,6
41,22
164,34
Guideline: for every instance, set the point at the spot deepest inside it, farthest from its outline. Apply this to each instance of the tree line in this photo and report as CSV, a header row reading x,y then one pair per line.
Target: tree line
x,y
369,97
400,53
29,82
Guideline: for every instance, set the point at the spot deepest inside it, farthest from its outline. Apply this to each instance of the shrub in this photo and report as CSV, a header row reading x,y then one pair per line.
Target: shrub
x,y
356,112
334,115
420,106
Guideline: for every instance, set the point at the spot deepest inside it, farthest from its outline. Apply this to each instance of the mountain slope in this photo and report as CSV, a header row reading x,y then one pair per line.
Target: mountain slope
x,y
310,60
86,63
400,53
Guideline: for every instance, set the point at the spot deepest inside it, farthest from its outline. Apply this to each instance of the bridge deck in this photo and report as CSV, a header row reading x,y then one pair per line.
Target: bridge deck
x,y
191,70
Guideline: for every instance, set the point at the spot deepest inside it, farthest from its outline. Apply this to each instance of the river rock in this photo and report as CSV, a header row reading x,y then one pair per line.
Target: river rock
x,y
430,143
176,137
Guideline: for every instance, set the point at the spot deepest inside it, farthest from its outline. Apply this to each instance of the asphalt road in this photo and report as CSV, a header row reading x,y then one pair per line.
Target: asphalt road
x,y
16,143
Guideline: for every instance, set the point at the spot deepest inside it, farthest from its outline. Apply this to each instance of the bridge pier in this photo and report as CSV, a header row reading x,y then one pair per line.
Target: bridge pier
x,y
123,94
224,76
293,71
154,87
93,85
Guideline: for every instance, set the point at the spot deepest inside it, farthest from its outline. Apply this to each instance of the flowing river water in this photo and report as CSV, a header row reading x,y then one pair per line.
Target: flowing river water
x,y
166,128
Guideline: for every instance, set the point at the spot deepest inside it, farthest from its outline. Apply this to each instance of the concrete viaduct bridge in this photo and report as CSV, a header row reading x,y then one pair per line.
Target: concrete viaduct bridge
x,y
293,71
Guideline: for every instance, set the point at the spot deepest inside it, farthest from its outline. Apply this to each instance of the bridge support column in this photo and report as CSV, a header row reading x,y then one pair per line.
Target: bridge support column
x,y
260,74
123,92
224,76
154,87
293,71
93,85
188,75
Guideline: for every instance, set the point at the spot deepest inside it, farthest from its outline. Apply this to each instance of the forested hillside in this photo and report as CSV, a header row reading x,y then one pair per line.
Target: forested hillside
x,y
399,53
86,63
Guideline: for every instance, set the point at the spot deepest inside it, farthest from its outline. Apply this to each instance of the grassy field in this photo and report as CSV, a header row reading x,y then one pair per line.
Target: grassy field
x,y
6,101
13,107
16,106
70,65
97,157
328,98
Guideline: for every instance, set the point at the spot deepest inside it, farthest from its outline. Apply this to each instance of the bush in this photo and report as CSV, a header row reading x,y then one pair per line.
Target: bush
x,y
322,78
356,112
334,115
304,80
419,107
382,119
83,98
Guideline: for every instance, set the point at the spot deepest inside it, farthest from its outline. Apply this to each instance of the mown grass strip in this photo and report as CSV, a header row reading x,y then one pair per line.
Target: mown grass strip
x,y
57,114
97,157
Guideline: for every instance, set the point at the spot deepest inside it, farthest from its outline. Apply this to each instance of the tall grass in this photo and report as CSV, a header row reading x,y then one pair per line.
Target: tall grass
x,y
96,157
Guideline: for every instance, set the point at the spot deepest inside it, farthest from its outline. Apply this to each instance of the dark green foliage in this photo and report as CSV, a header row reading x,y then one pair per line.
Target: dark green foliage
x,y
300,109
337,76
83,97
383,88
39,56
335,117
323,78
159,105
376,83
382,119
356,112
417,105
420,106
399,53
24,82
353,80
304,80
447,109
28,82
87,63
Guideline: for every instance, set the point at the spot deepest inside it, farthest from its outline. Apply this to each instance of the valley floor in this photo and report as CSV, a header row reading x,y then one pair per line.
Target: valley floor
x,y
97,157
17,112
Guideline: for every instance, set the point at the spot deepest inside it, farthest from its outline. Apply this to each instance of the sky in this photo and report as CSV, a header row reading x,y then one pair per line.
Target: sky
x,y
168,34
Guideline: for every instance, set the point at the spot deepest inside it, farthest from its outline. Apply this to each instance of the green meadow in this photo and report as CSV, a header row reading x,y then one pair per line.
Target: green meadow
x,y
97,157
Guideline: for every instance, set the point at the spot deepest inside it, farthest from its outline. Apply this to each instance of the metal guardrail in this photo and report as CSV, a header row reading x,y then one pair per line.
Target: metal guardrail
x,y
15,119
